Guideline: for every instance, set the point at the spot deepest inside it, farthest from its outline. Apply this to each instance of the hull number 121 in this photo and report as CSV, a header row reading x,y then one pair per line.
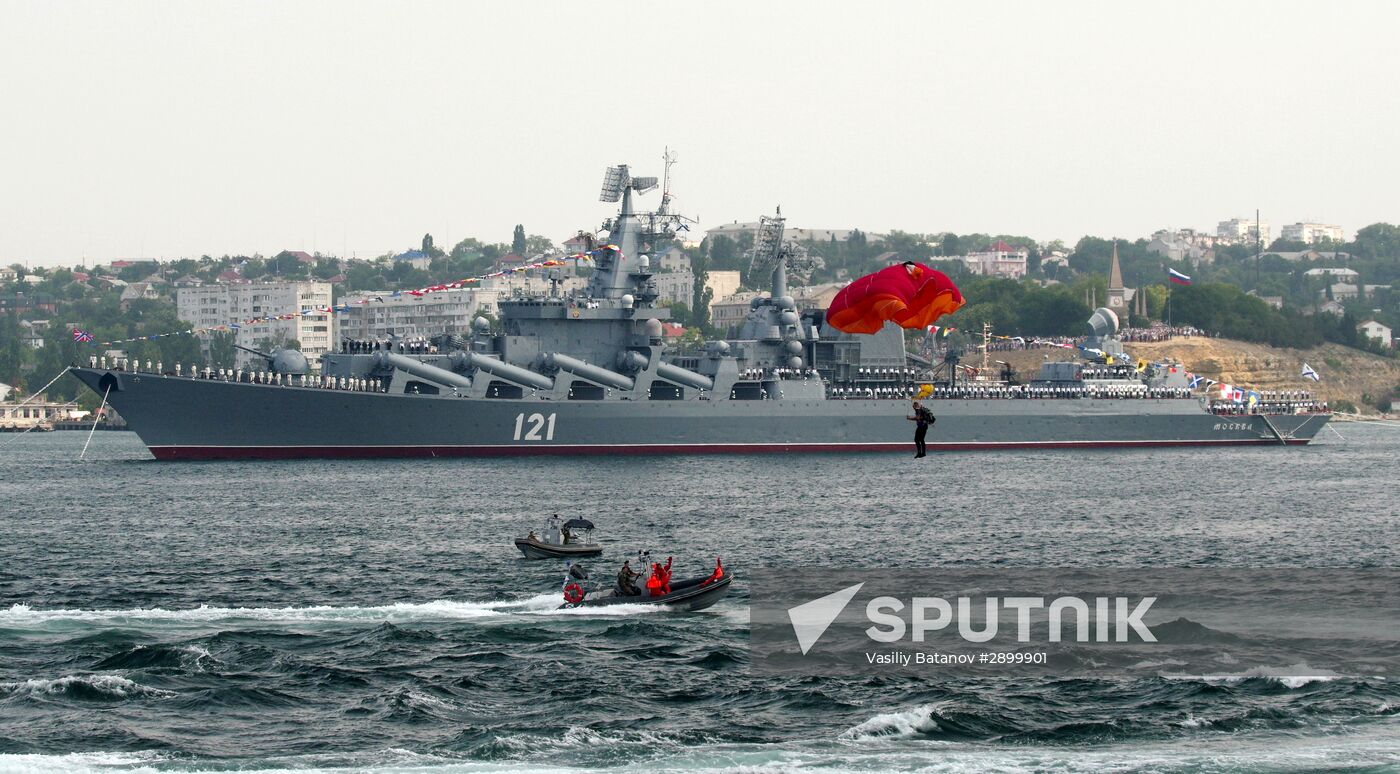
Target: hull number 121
x,y
536,427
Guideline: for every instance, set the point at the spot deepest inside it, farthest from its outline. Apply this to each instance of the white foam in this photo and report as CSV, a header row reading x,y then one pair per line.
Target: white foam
x,y
898,725
22,616
110,684
1295,676
1371,749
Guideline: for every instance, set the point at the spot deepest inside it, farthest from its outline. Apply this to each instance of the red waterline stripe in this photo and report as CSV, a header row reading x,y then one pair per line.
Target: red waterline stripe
x,y
362,452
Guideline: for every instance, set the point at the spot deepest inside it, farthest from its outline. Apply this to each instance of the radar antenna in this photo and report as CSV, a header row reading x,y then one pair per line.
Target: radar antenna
x,y
614,180
771,253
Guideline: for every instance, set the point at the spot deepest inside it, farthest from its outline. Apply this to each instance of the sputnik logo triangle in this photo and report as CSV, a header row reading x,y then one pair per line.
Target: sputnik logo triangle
x,y
811,619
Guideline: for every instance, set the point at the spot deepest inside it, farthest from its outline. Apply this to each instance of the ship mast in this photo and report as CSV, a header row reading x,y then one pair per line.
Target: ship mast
x,y
986,341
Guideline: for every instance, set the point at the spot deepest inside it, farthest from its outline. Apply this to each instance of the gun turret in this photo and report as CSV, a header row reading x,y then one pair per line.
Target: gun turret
x,y
290,362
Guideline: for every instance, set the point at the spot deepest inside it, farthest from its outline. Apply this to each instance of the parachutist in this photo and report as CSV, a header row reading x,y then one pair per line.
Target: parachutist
x,y
922,418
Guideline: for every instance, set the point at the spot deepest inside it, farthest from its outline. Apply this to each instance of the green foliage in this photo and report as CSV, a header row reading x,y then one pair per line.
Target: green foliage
x,y
1227,311
221,350
517,240
537,245
1343,405
1378,240
680,313
12,354
701,296
137,271
1020,308
286,266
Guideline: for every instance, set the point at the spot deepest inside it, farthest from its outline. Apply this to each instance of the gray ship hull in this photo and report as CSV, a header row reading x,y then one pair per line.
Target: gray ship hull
x,y
182,418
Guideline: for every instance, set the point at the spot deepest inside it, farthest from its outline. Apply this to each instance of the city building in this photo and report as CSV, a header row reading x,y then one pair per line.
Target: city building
x,y
1311,233
138,291
728,314
1310,255
675,287
1183,245
736,229
999,260
32,333
1332,271
671,259
210,306
1342,291
415,258
1237,230
1376,332
35,412
376,316
23,303
721,284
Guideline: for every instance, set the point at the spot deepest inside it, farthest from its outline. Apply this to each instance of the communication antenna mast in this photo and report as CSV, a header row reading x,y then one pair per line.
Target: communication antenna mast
x,y
669,157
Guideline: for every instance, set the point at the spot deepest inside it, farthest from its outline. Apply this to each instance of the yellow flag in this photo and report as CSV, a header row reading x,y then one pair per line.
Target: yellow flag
x,y
925,390
1141,365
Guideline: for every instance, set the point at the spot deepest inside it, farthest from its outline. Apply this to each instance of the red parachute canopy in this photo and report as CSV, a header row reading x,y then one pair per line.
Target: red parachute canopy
x,y
910,294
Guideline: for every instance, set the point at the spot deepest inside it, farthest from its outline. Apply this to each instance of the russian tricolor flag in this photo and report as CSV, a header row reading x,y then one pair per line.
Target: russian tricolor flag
x,y
1177,277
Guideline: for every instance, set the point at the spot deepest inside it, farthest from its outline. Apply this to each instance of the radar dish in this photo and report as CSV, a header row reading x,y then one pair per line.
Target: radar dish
x,y
643,184
1103,323
614,180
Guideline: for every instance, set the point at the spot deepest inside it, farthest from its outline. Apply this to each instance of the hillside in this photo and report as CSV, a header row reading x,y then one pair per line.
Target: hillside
x,y
1346,373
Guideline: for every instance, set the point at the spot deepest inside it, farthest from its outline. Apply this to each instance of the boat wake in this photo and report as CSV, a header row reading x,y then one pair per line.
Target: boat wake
x,y
21,617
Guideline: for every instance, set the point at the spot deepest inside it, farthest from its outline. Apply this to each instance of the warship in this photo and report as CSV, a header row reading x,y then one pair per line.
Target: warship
x,y
589,372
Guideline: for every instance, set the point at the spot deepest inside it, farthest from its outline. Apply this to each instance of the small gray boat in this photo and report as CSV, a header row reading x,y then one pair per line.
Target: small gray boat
x,y
690,594
571,540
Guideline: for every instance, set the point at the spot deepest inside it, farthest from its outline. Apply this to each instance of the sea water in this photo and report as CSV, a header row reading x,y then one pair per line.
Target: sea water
x,y
374,615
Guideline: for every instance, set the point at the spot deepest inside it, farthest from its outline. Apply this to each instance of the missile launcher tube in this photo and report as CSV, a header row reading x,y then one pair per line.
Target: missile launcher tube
x,y
674,373
511,373
589,371
421,370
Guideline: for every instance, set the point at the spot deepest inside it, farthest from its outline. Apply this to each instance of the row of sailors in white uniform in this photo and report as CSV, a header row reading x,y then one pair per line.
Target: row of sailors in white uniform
x,y
941,392
763,374
240,375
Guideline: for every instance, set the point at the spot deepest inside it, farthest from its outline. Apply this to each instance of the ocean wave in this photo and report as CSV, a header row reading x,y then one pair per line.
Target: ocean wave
x,y
899,725
194,658
101,687
22,616
1373,751
1295,676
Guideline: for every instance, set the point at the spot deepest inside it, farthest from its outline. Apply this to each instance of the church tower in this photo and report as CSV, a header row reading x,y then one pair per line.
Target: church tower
x,y
1117,295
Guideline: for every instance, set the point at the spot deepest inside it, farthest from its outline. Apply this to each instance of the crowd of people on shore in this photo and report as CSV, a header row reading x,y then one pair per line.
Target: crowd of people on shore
x,y
1159,333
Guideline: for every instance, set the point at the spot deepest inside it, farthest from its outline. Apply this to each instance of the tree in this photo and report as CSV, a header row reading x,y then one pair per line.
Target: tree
x,y
1378,240
517,241
701,295
221,351
284,264
680,313
11,349
538,245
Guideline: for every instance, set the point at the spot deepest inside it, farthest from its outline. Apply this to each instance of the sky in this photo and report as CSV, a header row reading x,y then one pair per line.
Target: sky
x,y
170,129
